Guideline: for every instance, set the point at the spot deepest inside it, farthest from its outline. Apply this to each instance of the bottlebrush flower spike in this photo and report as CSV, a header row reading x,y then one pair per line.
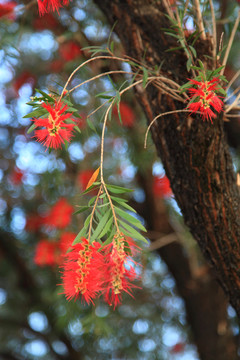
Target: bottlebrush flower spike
x,y
203,97
56,130
46,6
81,275
119,271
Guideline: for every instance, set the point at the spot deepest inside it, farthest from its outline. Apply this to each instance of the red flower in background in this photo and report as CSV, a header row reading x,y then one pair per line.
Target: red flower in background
x,y
82,122
81,275
56,65
34,222
56,131
127,114
16,176
70,50
26,77
46,6
84,177
177,348
118,271
47,253
161,186
7,10
66,241
205,96
47,21
60,214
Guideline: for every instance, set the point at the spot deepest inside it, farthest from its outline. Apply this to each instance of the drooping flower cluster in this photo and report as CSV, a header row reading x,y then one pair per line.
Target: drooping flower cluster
x,y
119,271
55,129
46,6
90,271
204,98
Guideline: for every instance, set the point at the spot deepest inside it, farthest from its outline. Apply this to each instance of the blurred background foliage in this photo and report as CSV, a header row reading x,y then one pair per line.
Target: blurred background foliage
x,y
36,321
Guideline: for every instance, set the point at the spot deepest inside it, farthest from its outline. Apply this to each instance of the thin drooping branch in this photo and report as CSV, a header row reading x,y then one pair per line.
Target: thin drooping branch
x,y
194,153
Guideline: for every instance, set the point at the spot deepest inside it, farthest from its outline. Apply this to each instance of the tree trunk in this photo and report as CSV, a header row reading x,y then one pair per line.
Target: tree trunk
x,y
194,153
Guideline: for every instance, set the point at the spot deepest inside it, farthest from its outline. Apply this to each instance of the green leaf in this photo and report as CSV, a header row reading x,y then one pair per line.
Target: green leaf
x,y
32,127
175,48
129,231
118,189
91,187
83,208
101,224
46,96
193,50
131,219
90,124
189,63
82,233
36,113
106,227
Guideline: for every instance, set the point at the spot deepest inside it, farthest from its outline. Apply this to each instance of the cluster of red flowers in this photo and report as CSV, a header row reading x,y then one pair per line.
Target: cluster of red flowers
x,y
90,271
203,97
51,253
56,130
127,114
46,6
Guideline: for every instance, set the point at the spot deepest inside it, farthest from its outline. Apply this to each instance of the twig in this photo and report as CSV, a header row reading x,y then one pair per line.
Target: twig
x,y
233,79
160,115
200,20
99,76
163,241
230,42
169,9
214,28
228,108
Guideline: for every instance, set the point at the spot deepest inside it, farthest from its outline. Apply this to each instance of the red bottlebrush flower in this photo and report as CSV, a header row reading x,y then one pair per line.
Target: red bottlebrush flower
x,y
70,50
66,241
119,271
7,10
81,275
47,21
127,114
56,130
46,6
60,215
84,177
16,176
47,253
161,186
26,77
205,96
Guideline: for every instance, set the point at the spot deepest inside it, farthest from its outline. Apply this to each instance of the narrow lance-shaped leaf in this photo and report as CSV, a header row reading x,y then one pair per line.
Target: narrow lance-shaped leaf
x,y
93,178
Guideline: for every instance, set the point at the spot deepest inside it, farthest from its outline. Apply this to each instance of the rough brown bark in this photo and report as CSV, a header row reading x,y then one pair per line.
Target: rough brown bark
x,y
195,154
205,302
